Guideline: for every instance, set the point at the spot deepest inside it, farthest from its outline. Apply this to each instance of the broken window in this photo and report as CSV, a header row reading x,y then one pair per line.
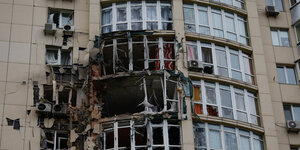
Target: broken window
x,y
54,139
216,99
63,95
61,17
137,53
137,15
58,56
164,134
199,136
139,94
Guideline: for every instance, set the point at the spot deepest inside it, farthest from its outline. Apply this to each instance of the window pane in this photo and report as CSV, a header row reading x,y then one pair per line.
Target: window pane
x,y
211,95
217,21
245,143
121,14
166,13
67,18
189,28
199,138
122,26
136,13
192,52
298,31
151,13
253,105
284,37
137,26
158,136
167,26
296,110
281,75
230,24
106,17
106,29
215,139
269,3
278,4
204,30
189,15
227,113
229,2
225,98
221,58
240,103
203,18
291,75
275,39
235,63
206,55
242,116
230,141
242,27
212,110
152,26
287,112
237,75
258,145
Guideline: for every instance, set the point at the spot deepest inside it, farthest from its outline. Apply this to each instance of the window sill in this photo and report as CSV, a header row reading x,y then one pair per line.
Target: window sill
x,y
218,78
234,123
217,40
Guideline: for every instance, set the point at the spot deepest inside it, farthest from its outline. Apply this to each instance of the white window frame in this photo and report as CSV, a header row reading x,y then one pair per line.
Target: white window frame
x,y
286,75
252,136
246,94
144,20
60,17
149,127
274,4
59,57
297,1
234,3
279,36
211,10
240,54
295,29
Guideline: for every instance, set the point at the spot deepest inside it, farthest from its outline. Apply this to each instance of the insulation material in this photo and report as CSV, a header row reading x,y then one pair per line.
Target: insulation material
x,y
48,123
73,136
61,88
89,144
61,70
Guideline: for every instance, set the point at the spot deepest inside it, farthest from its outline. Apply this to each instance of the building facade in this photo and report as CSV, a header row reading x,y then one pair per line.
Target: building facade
x,y
149,74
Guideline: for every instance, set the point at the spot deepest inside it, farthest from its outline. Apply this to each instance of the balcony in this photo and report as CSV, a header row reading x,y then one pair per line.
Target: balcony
x,y
295,12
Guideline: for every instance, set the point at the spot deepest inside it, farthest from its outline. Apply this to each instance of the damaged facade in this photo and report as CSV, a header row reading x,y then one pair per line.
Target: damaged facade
x,y
149,75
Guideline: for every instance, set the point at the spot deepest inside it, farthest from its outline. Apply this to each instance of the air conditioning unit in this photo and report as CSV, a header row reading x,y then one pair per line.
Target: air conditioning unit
x,y
59,109
43,107
50,28
293,126
195,65
272,11
68,30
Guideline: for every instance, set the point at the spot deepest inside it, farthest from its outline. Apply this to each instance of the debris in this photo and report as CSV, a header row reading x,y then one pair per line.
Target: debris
x,y
48,123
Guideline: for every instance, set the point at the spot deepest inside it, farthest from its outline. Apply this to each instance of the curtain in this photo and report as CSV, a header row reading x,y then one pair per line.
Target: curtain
x,y
151,13
51,57
230,141
65,58
210,95
215,139
106,17
121,14
245,143
136,13
166,13
189,15
192,52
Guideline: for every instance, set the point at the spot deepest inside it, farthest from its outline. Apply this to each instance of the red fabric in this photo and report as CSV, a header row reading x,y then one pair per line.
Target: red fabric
x,y
168,54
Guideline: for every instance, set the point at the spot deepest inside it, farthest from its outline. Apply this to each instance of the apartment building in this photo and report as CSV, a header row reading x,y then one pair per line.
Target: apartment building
x,y
149,74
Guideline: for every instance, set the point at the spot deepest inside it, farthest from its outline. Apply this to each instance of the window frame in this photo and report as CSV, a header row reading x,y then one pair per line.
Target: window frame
x,y
274,4
279,36
296,33
296,2
246,94
60,17
129,5
286,74
164,125
238,134
214,48
291,106
59,56
212,10
234,3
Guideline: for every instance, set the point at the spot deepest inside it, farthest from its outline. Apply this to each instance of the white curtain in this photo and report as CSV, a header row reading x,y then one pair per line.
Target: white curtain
x,y
151,13
215,140
106,17
230,141
51,57
166,13
136,13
